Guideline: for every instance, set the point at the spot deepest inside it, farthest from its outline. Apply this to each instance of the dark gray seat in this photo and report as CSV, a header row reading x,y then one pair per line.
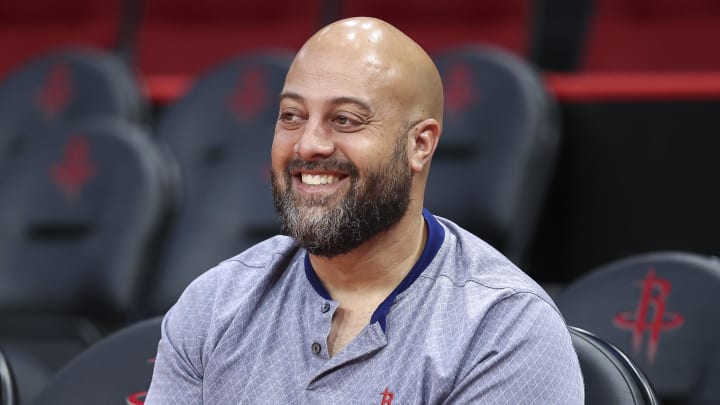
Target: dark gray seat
x,y
62,86
115,370
497,152
81,207
120,367
661,309
610,377
7,382
220,132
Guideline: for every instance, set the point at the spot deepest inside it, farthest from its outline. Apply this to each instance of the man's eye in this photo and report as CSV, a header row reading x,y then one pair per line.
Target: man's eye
x,y
344,121
289,118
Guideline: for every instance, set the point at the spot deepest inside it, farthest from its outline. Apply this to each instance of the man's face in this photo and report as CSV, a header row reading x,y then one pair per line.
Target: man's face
x,y
330,224
340,170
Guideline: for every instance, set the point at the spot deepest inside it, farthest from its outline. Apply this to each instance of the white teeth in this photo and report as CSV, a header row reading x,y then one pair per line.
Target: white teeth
x,y
318,179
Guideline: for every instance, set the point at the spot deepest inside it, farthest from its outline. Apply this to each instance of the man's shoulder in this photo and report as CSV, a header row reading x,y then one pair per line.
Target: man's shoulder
x,y
235,285
264,253
467,260
250,269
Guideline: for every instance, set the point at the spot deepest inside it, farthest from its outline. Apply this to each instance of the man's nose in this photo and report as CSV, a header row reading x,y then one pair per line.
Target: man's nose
x,y
315,142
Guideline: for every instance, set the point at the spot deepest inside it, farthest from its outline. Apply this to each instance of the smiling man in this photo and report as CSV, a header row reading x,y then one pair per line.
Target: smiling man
x,y
370,299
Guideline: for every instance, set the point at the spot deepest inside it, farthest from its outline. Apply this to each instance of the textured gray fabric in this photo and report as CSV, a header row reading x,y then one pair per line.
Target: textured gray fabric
x,y
472,328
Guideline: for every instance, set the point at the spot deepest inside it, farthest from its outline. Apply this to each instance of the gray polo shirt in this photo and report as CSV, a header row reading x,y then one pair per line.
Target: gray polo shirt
x,y
464,326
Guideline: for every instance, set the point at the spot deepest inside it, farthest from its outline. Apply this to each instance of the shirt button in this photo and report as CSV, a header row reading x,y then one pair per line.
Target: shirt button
x,y
325,307
316,348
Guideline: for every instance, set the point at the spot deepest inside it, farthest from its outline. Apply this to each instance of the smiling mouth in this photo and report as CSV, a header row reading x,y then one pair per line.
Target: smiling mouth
x,y
319,179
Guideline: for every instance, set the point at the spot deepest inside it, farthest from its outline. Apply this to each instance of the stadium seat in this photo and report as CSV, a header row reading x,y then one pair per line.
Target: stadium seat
x,y
659,308
188,37
115,370
439,25
120,367
65,85
7,382
29,28
80,210
610,377
220,133
497,151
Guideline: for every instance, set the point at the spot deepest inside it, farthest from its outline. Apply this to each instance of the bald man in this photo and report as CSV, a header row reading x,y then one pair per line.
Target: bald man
x,y
370,299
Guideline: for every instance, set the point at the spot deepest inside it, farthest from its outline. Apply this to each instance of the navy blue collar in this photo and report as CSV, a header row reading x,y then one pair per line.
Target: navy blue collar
x,y
436,235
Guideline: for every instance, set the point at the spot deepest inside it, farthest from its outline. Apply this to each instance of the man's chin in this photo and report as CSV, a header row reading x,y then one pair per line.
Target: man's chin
x,y
317,202
313,213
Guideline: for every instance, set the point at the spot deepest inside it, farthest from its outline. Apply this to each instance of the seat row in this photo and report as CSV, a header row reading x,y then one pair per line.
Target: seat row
x,y
644,333
610,376
167,37
106,216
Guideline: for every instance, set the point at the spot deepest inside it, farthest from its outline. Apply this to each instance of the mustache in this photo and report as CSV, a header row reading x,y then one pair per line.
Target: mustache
x,y
330,164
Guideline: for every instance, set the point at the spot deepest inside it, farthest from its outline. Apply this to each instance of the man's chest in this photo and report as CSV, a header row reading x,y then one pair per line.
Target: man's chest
x,y
289,363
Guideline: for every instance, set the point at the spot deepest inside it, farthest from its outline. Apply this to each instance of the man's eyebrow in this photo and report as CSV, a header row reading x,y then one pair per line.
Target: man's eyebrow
x,y
352,100
335,101
291,95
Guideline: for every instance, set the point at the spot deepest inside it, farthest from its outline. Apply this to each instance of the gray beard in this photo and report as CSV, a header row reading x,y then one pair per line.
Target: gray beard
x,y
368,208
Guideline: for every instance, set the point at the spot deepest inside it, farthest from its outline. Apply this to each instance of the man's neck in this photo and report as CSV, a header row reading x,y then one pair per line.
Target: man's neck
x,y
360,280
371,271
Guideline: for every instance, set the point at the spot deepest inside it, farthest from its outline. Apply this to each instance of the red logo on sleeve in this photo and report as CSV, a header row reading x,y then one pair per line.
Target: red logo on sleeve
x,y
387,397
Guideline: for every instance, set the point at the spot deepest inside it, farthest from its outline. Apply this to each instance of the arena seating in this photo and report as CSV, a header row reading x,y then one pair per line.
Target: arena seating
x,y
220,132
29,28
120,366
80,207
8,395
636,84
116,369
659,308
64,85
502,126
610,377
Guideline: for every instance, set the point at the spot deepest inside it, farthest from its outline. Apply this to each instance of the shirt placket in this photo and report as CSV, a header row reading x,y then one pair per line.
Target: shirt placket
x,y
370,339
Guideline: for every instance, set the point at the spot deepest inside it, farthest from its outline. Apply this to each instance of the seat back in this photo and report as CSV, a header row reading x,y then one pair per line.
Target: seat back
x,y
7,382
116,369
80,206
221,133
660,309
62,86
498,148
610,377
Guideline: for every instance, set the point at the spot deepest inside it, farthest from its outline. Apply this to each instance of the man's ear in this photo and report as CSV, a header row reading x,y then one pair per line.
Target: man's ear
x,y
424,138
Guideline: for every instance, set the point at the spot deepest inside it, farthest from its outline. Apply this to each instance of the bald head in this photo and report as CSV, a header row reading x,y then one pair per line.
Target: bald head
x,y
376,56
358,123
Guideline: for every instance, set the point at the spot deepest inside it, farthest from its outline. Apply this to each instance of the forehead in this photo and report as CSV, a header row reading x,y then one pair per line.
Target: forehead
x,y
333,75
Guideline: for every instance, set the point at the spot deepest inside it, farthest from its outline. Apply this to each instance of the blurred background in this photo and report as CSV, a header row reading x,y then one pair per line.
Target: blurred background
x,y
135,134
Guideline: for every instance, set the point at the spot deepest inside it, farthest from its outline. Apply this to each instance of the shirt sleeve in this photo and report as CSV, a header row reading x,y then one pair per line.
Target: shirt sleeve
x,y
532,360
174,379
178,371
